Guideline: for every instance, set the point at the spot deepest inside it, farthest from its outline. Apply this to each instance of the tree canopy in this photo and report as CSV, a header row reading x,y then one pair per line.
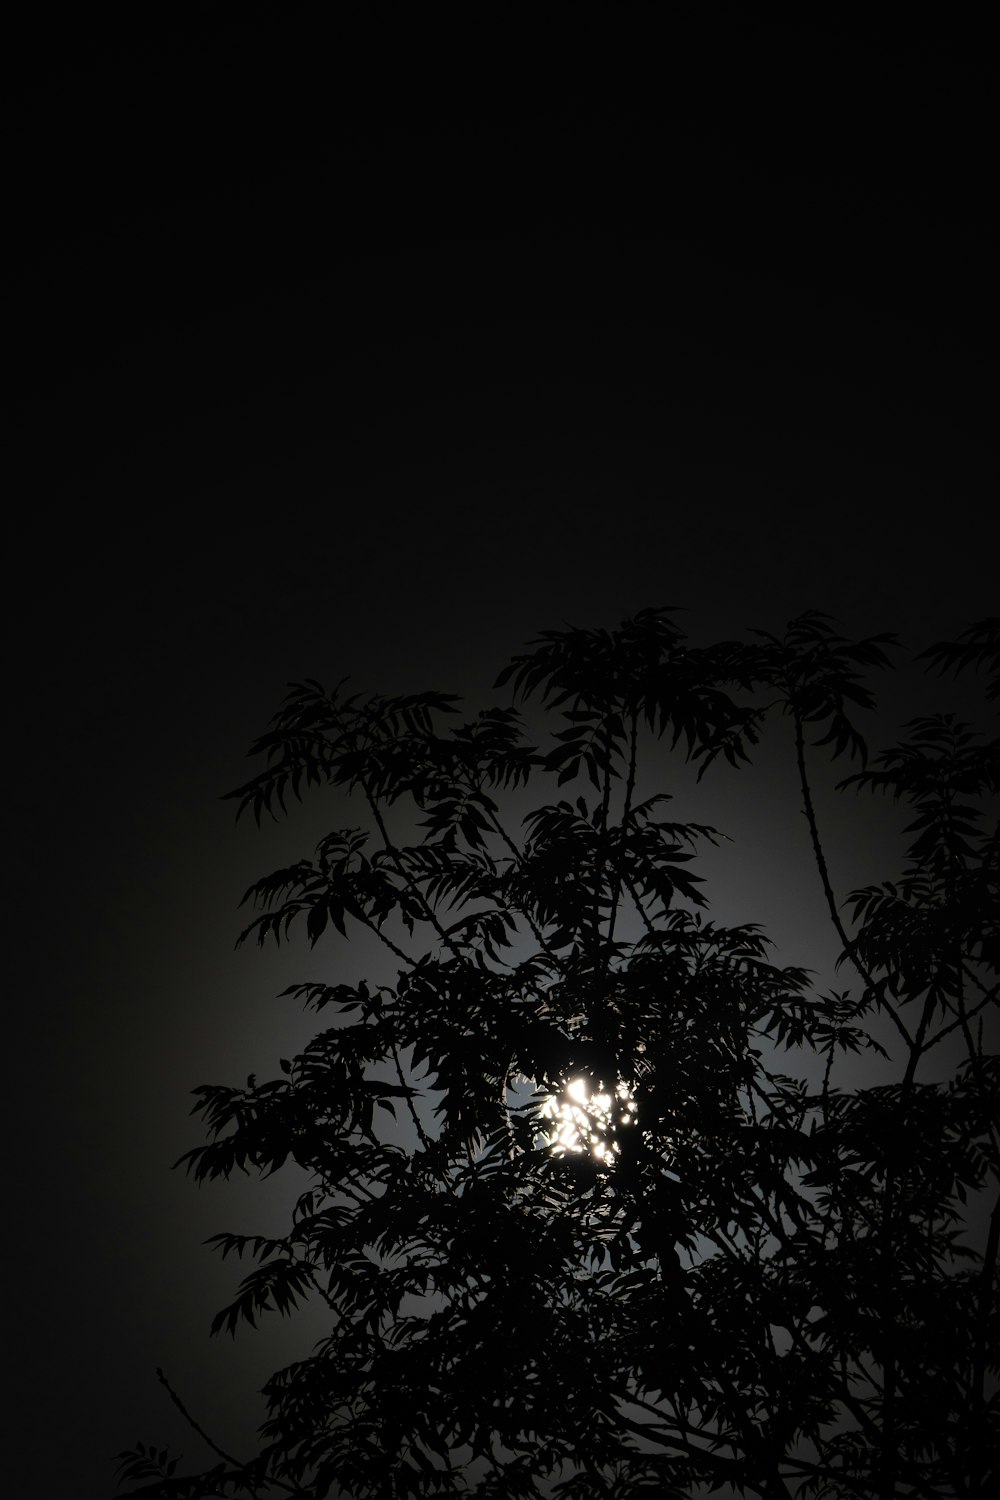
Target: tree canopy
x,y
595,1203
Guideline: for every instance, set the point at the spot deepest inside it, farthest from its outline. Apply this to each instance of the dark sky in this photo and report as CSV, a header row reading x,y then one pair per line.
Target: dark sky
x,y
341,352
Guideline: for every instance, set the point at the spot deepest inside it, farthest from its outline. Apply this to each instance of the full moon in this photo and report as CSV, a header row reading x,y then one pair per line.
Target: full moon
x,y
580,1120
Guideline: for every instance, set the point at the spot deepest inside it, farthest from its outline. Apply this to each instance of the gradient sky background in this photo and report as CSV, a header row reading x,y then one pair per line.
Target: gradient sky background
x,y
336,355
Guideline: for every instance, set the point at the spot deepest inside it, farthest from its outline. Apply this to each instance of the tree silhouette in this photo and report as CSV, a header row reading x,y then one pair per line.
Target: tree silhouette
x,y
592,1203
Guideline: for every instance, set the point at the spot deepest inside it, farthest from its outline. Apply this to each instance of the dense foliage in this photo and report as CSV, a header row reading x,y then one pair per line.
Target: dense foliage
x,y
594,1206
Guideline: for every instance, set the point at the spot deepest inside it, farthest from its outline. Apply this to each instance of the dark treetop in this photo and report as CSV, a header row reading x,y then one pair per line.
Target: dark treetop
x,y
581,1226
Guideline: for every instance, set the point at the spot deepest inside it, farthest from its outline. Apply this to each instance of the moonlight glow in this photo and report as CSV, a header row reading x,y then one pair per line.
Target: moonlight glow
x,y
583,1121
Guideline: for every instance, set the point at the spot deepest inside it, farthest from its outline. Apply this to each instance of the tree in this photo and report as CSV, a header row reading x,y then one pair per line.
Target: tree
x,y
593,1205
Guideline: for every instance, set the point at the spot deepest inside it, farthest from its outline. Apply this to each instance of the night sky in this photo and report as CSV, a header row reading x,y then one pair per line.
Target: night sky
x,y
375,354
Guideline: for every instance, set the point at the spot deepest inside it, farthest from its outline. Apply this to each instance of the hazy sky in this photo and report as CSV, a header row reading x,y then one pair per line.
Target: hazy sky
x,y
359,370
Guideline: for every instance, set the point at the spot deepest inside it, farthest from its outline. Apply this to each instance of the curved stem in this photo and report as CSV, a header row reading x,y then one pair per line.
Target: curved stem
x,y
251,1484
537,933
626,812
414,890
824,874
161,1377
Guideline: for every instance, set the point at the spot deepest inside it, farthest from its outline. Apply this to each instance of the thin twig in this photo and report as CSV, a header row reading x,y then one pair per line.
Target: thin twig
x,y
251,1483
824,874
626,814
196,1425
